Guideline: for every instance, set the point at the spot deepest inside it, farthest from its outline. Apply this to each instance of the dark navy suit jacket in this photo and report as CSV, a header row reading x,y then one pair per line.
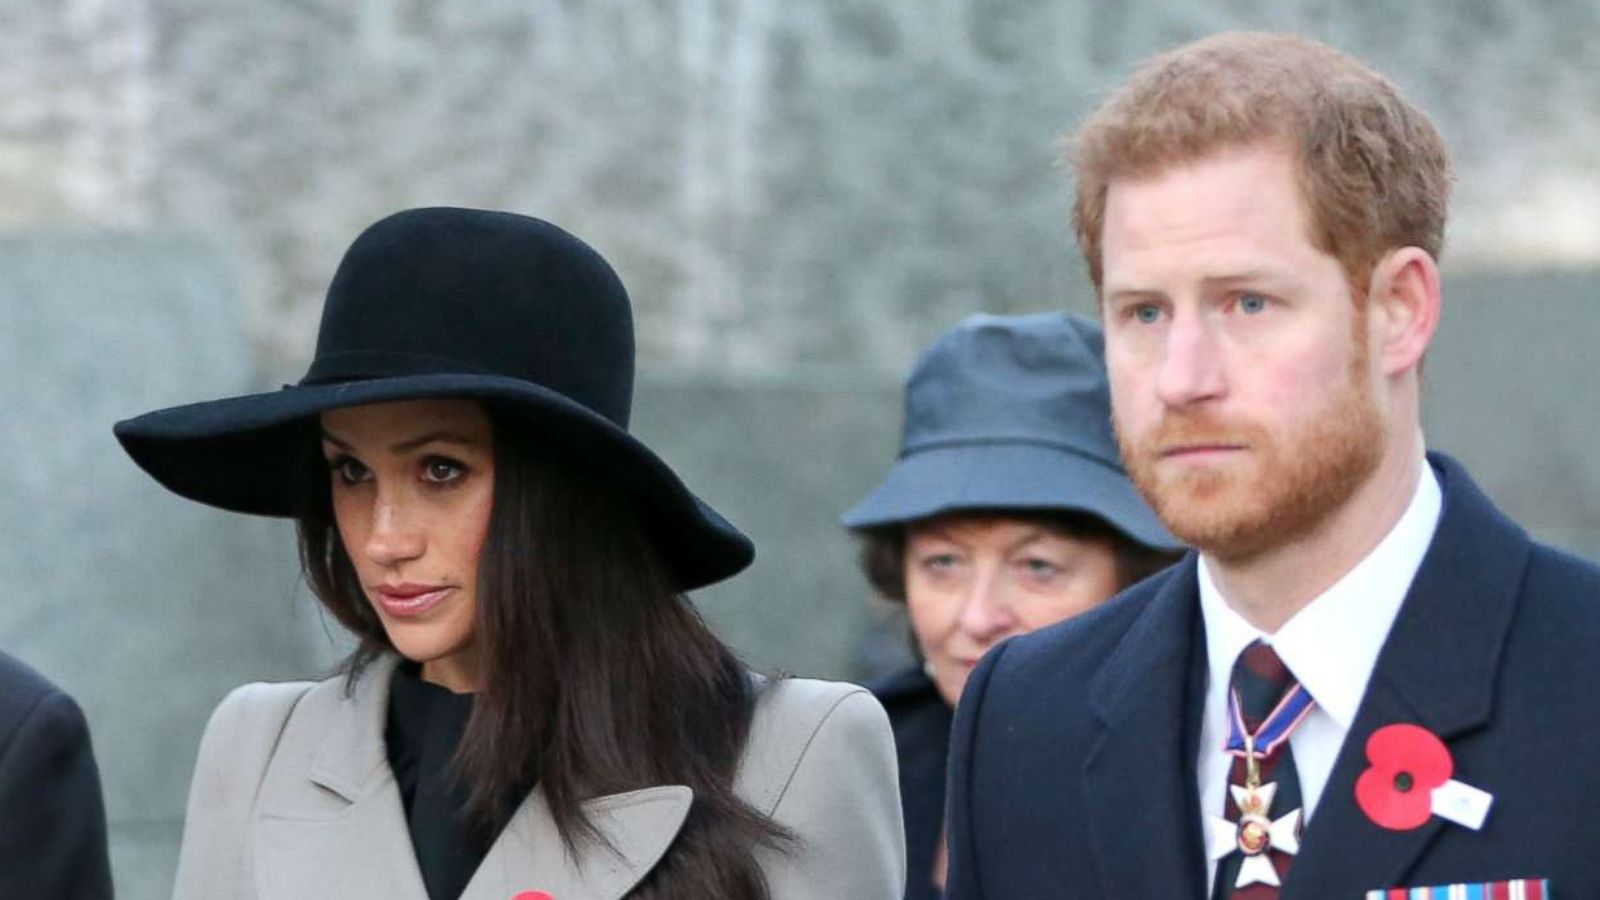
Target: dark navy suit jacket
x,y
1073,753
52,823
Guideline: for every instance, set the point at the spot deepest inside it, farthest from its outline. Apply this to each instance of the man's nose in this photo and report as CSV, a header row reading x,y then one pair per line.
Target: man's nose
x,y
1191,363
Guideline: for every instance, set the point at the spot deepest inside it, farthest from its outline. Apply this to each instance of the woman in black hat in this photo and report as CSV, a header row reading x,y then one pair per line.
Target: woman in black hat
x,y
534,709
1007,510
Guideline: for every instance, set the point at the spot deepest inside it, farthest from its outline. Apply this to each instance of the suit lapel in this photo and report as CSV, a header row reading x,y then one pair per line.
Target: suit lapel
x,y
1139,777
638,826
1437,669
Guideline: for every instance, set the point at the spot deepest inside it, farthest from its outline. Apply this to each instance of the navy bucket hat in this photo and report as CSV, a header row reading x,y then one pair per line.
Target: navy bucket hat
x,y
446,302
1011,412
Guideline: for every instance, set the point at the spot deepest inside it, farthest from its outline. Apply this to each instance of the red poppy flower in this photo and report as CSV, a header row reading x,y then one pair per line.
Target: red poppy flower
x,y
1407,763
533,895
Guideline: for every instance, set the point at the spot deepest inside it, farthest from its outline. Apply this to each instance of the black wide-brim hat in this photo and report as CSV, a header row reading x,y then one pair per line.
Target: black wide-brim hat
x,y
446,302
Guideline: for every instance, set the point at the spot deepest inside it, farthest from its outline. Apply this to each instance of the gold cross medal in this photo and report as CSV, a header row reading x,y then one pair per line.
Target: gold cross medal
x,y
1256,834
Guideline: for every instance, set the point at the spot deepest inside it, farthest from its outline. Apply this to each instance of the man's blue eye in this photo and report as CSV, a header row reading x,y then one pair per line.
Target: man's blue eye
x,y
1147,314
1252,303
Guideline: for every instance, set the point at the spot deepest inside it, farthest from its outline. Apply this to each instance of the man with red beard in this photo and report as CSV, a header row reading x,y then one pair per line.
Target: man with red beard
x,y
1366,678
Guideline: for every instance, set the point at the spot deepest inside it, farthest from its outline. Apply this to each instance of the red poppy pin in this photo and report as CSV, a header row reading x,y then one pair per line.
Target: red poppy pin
x,y
1408,781
533,895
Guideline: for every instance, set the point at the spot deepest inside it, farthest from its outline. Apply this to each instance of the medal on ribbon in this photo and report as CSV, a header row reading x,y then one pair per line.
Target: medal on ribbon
x,y
1256,834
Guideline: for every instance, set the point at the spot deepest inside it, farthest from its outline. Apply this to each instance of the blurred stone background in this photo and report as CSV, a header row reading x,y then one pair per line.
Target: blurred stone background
x,y
799,195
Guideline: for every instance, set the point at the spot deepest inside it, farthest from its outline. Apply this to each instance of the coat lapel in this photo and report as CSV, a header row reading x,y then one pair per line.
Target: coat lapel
x,y
638,826
363,854
1139,776
357,846
1437,669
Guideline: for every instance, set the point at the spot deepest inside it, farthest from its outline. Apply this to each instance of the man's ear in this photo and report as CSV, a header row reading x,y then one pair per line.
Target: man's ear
x,y
1404,305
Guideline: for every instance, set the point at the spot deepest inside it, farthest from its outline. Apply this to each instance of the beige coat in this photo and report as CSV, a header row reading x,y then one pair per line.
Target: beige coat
x,y
293,799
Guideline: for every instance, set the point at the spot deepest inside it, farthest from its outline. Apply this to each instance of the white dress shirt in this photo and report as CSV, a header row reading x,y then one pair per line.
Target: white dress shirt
x,y
1330,646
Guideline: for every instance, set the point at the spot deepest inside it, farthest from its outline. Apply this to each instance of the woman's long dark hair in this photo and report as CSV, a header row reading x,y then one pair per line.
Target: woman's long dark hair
x,y
597,675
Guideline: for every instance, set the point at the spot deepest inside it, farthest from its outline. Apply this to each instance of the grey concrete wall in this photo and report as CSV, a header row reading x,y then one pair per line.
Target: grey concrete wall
x,y
1512,391
148,609
783,457
781,183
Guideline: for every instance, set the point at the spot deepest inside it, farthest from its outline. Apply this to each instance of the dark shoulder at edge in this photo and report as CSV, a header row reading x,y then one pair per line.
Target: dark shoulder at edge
x,y
21,690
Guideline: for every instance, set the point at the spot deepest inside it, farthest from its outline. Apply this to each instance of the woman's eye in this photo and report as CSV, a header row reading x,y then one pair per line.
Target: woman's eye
x,y
442,471
349,470
940,562
1040,569
1250,304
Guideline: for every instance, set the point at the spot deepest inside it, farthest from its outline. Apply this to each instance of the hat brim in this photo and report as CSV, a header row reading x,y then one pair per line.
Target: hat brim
x,y
238,454
1008,475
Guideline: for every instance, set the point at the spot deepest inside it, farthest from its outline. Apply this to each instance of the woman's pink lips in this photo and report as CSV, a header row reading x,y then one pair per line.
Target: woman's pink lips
x,y
410,600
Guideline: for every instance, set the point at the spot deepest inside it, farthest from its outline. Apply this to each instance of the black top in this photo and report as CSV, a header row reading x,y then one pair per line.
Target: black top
x,y
426,722
921,723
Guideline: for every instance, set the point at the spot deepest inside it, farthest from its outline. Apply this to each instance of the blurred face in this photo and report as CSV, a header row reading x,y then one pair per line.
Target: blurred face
x,y
1241,381
972,581
413,485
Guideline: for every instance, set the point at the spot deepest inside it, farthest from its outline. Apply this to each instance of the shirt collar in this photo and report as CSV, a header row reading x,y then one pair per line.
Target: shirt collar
x,y
1332,644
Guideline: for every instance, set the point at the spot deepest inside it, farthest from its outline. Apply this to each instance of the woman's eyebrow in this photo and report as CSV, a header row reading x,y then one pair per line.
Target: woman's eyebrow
x,y
1031,537
409,444
936,533
443,437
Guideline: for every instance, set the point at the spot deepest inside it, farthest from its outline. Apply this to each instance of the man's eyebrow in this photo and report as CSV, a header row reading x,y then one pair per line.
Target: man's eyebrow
x,y
1118,294
1246,275
1240,276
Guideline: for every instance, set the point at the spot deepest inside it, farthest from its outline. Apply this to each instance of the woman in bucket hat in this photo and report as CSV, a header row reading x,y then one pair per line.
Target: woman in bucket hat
x,y
534,709
1007,510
